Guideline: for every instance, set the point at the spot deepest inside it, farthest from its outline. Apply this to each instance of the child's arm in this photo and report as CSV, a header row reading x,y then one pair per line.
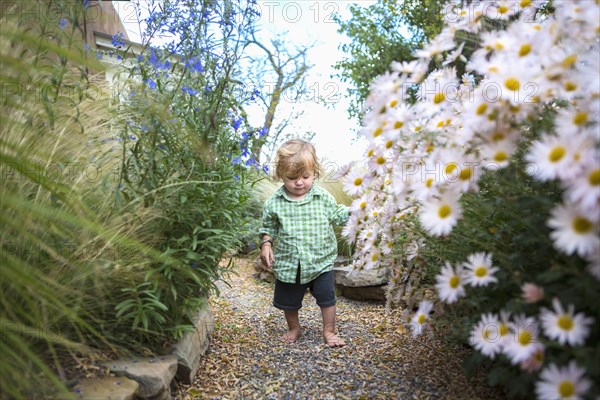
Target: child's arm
x,y
266,252
268,231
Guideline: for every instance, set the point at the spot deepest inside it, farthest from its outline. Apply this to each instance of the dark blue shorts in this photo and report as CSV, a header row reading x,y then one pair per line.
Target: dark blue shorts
x,y
289,296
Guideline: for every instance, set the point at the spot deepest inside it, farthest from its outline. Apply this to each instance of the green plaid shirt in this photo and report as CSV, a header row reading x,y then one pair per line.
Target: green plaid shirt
x,y
303,232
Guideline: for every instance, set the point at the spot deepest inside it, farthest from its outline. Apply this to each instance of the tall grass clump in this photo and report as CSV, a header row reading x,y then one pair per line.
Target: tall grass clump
x,y
117,205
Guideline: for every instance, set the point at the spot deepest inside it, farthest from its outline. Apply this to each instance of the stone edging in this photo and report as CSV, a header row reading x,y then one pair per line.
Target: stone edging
x,y
150,377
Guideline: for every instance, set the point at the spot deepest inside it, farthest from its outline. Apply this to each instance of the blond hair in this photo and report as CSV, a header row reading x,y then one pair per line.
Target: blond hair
x,y
295,158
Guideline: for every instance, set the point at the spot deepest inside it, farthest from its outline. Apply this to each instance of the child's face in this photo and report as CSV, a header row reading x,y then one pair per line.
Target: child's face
x,y
299,186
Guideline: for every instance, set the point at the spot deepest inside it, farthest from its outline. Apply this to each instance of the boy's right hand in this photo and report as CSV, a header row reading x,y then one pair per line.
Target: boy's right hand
x,y
266,256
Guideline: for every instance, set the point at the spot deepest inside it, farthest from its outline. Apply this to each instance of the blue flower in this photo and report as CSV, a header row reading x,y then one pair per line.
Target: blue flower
x,y
86,4
195,64
189,90
237,123
118,39
255,93
63,23
151,83
236,160
263,131
132,137
140,58
99,55
207,89
265,169
86,47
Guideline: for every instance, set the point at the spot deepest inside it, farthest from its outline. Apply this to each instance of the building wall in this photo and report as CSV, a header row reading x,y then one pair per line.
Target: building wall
x,y
101,16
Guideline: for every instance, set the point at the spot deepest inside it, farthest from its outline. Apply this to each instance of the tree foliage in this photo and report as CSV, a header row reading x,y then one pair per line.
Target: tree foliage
x,y
377,39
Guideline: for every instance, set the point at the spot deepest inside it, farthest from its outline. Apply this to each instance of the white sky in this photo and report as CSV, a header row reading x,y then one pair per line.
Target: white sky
x,y
306,21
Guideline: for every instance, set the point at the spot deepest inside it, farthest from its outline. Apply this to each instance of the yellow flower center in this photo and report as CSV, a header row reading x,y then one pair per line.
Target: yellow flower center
x,y
498,136
525,338
377,132
557,154
398,124
594,177
565,323
481,109
580,118
363,205
570,86
370,153
393,103
389,144
429,148
380,160
418,128
358,181
503,9
500,156
569,61
454,282
421,319
374,257
566,389
444,211
524,50
486,334
440,124
481,271
582,225
512,84
450,168
503,330
465,174
525,3
429,182
439,97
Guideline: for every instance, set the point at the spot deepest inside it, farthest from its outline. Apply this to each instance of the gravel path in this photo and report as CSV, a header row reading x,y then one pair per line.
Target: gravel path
x,y
246,360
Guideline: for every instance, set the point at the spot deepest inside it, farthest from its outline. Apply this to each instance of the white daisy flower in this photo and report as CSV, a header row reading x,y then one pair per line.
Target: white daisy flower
x,y
488,335
502,9
585,189
373,258
573,230
556,156
450,283
479,270
593,267
350,230
566,327
533,363
523,341
562,383
498,154
438,216
441,43
421,318
355,182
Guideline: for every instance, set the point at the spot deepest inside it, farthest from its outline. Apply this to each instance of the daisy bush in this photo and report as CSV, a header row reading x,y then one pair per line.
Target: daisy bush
x,y
481,188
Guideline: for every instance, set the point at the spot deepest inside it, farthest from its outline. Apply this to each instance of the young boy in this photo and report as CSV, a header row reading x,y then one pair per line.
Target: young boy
x,y
297,224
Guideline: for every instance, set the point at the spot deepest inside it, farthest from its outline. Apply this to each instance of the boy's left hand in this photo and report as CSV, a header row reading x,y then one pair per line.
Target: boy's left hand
x,y
267,257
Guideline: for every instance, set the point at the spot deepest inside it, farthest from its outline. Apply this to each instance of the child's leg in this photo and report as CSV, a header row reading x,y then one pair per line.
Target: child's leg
x,y
331,339
293,322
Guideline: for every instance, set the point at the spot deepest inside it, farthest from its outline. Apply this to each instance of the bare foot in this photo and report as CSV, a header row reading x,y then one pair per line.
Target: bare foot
x,y
291,336
333,340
